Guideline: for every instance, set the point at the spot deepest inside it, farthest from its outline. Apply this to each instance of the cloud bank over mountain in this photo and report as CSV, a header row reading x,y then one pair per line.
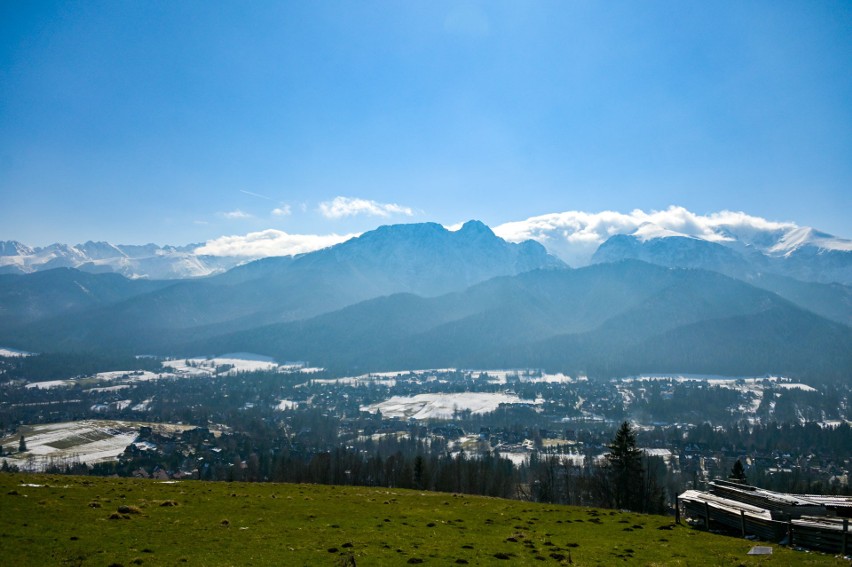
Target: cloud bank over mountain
x,y
268,243
574,236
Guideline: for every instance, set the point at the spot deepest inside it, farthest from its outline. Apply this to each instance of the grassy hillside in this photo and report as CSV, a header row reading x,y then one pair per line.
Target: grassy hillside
x,y
50,520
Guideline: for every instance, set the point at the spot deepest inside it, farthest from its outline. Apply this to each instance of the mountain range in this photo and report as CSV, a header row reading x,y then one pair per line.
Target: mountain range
x,y
732,243
133,261
69,309
609,319
420,295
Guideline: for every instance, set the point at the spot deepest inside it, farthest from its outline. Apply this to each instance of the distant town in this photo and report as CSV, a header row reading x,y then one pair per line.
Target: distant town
x,y
509,433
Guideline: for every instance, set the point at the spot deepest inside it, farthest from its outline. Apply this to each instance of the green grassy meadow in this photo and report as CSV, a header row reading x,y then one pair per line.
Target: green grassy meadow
x,y
59,520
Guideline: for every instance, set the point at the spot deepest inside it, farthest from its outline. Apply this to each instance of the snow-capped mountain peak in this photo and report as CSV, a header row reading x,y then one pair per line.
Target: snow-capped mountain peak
x,y
148,261
100,250
649,231
801,237
14,248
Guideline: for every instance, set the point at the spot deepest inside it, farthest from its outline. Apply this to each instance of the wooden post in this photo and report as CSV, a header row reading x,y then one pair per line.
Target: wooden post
x,y
677,509
789,531
844,544
707,515
742,523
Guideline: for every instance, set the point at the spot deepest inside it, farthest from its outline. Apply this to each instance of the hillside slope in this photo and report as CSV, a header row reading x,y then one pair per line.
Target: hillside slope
x,y
607,319
67,520
425,259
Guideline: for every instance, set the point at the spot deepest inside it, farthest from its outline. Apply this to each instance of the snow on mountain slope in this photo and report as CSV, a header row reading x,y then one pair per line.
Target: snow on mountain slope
x,y
14,248
148,261
803,236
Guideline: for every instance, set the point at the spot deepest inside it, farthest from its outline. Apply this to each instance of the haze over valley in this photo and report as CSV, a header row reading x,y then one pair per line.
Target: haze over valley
x,y
595,257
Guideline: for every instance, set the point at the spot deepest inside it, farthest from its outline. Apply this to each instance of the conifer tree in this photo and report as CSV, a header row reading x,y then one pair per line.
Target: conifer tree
x,y
738,472
626,473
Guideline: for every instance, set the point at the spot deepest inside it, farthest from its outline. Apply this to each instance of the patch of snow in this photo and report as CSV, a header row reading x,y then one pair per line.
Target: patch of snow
x,y
89,441
248,356
549,379
497,376
95,442
14,353
517,459
109,388
795,386
665,453
357,380
442,406
834,423
128,375
229,365
49,384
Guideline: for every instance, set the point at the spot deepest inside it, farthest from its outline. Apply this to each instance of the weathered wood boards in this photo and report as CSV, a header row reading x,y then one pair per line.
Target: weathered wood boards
x,y
801,520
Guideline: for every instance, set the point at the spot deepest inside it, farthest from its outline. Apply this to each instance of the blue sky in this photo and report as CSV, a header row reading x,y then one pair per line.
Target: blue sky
x,y
179,122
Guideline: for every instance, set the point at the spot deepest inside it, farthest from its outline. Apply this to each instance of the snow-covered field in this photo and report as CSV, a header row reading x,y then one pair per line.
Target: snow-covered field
x,y
127,376
496,376
88,441
49,384
134,376
443,406
518,458
226,365
110,388
795,386
374,379
232,364
553,379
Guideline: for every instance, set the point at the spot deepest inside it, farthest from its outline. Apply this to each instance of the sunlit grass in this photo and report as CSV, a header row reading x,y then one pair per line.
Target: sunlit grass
x,y
100,521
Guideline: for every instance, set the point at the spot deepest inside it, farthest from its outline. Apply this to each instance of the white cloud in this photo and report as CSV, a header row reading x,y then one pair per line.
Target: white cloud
x,y
575,235
269,243
340,207
281,211
236,214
